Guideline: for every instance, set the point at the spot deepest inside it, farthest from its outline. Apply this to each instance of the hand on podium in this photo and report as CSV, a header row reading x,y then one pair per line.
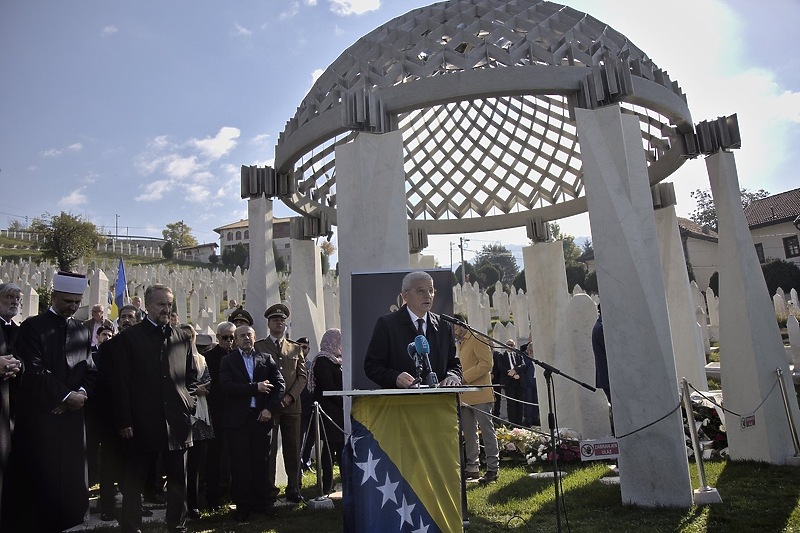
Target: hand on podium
x,y
450,381
404,380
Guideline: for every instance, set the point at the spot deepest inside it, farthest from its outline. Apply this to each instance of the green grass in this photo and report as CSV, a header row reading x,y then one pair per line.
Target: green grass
x,y
756,497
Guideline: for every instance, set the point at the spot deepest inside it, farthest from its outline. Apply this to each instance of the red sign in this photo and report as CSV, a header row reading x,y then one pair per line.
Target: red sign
x,y
748,421
594,450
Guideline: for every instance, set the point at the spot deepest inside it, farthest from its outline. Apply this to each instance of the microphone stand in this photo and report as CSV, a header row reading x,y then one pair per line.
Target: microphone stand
x,y
549,370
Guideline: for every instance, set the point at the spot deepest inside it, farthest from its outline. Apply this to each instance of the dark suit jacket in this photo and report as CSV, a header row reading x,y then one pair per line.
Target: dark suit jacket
x,y
387,354
214,358
154,384
238,389
502,366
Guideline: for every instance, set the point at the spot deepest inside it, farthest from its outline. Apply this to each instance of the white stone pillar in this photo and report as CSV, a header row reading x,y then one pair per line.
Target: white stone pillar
x,y
371,217
689,363
592,421
308,310
546,280
262,279
641,366
98,290
30,303
749,340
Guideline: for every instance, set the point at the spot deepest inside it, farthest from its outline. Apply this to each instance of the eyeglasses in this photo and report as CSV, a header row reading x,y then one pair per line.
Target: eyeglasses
x,y
226,337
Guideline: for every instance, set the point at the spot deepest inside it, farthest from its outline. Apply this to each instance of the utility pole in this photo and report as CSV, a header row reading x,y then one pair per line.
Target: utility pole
x,y
116,227
462,240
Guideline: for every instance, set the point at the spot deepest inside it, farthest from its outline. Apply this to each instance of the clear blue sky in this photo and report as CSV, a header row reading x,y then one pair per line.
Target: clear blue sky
x,y
147,109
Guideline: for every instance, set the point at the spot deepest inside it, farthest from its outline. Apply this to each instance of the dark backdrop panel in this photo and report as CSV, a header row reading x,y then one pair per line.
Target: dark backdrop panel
x,y
378,293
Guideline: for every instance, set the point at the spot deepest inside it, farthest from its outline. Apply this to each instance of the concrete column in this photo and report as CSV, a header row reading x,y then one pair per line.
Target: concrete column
x,y
546,280
262,279
689,361
749,339
308,310
371,216
654,470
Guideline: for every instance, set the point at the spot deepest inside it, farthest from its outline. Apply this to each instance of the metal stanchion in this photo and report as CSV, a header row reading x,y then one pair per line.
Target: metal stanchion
x,y
795,459
704,495
321,501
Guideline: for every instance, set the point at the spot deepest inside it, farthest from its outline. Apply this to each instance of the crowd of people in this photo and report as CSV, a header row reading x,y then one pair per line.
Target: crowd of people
x,y
146,407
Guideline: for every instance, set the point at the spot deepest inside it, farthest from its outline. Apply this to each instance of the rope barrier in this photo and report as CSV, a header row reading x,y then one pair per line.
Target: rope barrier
x,y
763,401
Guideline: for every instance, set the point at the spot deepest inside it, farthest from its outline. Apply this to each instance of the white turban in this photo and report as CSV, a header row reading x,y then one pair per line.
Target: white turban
x,y
70,283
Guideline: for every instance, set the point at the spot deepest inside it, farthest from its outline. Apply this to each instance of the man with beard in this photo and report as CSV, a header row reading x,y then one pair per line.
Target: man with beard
x,y
10,368
214,453
155,378
48,458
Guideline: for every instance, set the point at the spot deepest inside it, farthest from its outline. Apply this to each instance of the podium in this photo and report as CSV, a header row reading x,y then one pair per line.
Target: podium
x,y
401,467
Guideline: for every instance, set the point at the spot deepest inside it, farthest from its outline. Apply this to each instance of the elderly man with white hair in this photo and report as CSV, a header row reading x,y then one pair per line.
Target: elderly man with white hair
x,y
10,368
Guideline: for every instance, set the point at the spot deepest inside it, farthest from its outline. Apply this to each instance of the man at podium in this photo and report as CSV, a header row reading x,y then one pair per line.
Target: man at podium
x,y
389,362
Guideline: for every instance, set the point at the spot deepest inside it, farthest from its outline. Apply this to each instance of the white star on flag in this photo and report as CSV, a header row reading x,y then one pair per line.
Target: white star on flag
x,y
388,490
405,511
422,528
369,468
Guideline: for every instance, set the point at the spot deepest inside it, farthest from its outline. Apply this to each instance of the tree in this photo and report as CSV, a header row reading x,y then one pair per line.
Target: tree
x,y
168,250
781,273
213,259
16,225
179,234
326,250
519,282
705,213
501,258
470,270
235,255
66,238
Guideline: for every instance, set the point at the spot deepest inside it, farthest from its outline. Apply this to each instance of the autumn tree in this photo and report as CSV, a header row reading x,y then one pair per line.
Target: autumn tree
x,y
66,238
179,234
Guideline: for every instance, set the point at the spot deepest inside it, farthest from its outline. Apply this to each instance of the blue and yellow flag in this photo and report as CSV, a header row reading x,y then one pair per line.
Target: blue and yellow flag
x,y
120,290
401,468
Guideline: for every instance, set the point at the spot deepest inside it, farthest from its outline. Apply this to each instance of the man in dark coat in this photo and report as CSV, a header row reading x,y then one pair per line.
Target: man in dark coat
x,y
387,362
510,368
252,388
110,441
10,368
155,378
48,455
214,454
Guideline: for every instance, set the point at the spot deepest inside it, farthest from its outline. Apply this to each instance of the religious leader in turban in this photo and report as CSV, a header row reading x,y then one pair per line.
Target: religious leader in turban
x,y
49,490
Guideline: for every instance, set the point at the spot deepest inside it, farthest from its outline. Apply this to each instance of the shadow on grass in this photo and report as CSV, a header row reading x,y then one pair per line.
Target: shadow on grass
x,y
765,497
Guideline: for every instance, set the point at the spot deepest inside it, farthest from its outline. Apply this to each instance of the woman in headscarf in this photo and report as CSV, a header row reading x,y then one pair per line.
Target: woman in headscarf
x,y
326,375
201,427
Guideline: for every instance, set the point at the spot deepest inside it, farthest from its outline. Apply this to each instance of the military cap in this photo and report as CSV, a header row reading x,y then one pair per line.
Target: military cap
x,y
276,311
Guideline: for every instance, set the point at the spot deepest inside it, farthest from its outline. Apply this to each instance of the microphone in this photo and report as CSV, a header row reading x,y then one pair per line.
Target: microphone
x,y
423,349
412,350
452,320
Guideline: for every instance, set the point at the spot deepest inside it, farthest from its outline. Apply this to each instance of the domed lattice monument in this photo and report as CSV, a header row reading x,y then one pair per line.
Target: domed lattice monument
x,y
479,115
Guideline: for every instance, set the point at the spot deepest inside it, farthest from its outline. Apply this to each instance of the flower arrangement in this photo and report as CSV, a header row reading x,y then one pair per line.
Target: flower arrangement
x,y
567,449
710,426
514,443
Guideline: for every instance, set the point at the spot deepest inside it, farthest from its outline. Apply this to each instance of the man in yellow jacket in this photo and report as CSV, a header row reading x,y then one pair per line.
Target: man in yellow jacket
x,y
476,407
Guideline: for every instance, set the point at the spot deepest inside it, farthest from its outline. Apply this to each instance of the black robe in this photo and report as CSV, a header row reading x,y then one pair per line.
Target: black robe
x,y
48,454
8,335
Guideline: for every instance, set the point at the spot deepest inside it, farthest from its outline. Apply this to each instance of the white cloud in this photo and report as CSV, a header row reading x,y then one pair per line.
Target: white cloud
x,y
154,191
353,7
109,30
219,145
197,194
291,11
74,199
53,152
180,167
261,139
241,31
337,30
311,2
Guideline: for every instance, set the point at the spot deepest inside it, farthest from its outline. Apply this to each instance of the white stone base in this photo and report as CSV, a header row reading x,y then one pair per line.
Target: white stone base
x,y
318,504
707,496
